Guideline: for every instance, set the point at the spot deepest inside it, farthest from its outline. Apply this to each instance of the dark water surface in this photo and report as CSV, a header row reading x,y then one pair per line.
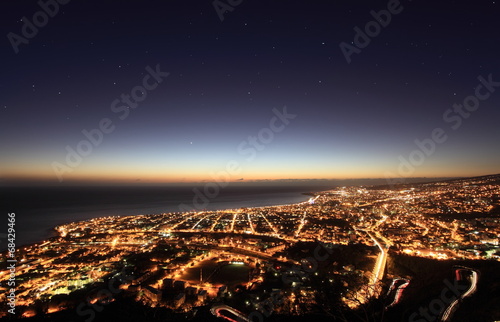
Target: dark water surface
x,y
39,209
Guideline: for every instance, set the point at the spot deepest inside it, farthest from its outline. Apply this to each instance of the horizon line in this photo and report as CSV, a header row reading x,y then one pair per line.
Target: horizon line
x,y
5,183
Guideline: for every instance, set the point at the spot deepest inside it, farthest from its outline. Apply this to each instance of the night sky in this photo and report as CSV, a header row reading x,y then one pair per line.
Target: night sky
x,y
228,79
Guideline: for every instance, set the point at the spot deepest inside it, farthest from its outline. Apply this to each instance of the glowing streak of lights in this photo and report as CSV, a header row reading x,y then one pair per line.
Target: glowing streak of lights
x,y
216,222
233,222
276,231
250,223
399,291
199,221
301,225
378,271
473,286
449,310
216,311
392,286
184,220
312,200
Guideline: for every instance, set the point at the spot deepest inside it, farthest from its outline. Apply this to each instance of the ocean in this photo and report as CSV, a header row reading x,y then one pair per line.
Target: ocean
x,y
39,209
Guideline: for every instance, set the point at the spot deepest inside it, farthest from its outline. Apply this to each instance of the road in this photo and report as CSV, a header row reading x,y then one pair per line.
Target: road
x,y
379,269
218,309
397,287
473,276
374,288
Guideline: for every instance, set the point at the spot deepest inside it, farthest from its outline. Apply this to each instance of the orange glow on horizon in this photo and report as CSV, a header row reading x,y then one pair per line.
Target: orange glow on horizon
x,y
129,174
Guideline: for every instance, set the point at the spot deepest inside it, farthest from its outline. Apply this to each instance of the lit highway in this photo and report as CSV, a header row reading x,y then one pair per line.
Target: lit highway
x,y
472,275
379,269
218,310
397,288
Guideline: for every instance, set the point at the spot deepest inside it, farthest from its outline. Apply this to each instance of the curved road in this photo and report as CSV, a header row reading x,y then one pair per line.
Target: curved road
x,y
397,287
473,278
216,310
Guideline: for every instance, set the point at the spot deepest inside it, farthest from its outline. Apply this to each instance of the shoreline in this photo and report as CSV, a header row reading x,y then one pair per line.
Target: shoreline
x,y
51,233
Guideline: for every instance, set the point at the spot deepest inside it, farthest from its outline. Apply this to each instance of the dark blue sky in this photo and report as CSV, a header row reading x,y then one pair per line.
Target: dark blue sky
x,y
357,119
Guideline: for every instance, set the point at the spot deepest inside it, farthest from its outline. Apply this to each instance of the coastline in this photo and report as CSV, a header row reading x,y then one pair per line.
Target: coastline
x,y
33,234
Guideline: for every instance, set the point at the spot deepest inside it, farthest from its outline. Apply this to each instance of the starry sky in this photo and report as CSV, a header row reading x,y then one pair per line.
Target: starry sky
x,y
229,80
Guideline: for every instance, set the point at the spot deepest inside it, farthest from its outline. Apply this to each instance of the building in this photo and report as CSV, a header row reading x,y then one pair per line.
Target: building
x,y
179,299
168,283
179,285
153,294
202,295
